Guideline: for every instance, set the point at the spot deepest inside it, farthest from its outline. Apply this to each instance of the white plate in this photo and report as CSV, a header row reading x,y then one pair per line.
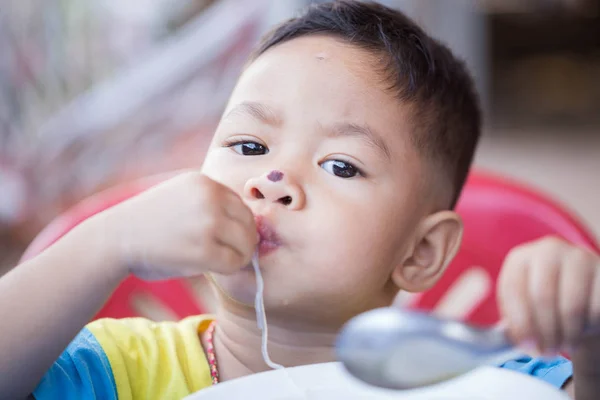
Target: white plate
x,y
331,382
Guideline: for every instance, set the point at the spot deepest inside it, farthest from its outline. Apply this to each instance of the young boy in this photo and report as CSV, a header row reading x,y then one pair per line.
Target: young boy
x,y
345,146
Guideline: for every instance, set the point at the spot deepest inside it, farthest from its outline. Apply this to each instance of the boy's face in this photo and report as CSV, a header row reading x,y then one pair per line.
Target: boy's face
x,y
341,212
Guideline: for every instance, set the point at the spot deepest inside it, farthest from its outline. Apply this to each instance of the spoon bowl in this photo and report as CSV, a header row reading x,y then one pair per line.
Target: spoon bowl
x,y
399,349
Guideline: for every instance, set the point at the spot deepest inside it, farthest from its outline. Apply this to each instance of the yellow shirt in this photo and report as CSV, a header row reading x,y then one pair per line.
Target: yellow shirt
x,y
131,358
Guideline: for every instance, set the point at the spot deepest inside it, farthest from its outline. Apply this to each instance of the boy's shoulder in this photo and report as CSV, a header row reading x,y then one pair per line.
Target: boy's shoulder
x,y
130,358
126,329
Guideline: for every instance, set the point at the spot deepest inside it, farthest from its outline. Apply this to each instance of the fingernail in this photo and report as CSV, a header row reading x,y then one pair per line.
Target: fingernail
x,y
570,349
529,345
550,353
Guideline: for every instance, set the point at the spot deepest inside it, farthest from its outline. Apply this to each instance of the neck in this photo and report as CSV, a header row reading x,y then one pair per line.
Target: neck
x,y
237,343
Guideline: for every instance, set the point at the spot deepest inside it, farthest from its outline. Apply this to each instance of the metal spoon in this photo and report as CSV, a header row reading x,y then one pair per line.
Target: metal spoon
x,y
398,349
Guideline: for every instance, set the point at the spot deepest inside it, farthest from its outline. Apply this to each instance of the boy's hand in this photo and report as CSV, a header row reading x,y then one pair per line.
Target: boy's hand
x,y
186,226
549,295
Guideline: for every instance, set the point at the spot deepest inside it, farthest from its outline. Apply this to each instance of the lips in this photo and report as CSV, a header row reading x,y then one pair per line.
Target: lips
x,y
269,240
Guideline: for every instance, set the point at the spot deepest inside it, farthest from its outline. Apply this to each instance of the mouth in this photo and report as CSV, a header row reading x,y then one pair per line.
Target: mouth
x,y
269,240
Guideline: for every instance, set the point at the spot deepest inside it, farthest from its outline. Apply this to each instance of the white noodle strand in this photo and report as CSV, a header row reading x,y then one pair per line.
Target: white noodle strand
x,y
261,318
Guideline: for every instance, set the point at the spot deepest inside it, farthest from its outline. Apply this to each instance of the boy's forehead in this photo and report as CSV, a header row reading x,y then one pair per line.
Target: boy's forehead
x,y
320,75
316,55
320,48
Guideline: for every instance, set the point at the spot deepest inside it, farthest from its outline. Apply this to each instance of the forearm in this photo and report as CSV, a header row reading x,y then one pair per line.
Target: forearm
x,y
46,301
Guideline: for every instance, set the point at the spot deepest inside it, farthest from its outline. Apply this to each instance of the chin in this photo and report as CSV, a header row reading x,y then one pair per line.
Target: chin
x,y
239,287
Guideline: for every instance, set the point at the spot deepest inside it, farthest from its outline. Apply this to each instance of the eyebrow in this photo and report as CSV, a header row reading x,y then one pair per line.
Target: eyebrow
x,y
269,116
258,111
362,131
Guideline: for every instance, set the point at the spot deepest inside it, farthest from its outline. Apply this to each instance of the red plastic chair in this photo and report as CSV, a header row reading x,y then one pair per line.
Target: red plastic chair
x,y
498,215
175,295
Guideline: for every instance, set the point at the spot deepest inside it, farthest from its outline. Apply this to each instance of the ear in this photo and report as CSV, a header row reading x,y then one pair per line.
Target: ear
x,y
437,241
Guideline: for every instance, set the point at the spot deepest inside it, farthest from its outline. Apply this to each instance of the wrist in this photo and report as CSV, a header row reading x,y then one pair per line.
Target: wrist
x,y
98,241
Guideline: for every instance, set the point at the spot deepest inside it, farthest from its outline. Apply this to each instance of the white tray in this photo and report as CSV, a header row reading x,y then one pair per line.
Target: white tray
x,y
330,382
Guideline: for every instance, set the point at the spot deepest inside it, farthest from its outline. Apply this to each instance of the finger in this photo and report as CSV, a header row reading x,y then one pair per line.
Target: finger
x,y
226,260
236,209
543,297
575,288
513,299
212,256
238,237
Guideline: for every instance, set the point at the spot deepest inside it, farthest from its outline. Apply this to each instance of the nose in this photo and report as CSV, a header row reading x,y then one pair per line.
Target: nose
x,y
275,187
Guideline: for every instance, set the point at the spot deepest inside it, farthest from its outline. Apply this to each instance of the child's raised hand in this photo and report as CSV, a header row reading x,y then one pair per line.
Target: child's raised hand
x,y
186,226
549,294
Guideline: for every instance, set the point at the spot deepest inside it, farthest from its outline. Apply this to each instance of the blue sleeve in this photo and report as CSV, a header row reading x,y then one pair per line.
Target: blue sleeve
x,y
555,371
81,372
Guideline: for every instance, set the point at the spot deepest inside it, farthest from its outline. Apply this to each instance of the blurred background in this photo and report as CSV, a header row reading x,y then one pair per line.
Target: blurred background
x,y
100,92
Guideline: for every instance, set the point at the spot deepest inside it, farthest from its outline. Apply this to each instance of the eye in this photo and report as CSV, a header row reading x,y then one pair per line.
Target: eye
x,y
340,168
248,148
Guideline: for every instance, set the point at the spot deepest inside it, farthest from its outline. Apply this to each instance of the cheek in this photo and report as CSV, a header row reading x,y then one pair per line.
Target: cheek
x,y
358,242
239,287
